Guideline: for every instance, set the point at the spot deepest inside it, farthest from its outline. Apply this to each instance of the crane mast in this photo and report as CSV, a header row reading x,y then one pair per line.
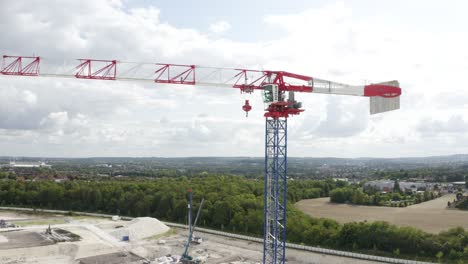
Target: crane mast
x,y
278,89
274,212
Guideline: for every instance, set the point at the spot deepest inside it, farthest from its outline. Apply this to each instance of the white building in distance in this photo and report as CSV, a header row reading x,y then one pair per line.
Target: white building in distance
x,y
29,164
387,185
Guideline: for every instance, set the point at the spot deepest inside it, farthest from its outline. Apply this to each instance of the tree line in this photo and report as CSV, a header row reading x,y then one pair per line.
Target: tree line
x,y
235,204
369,196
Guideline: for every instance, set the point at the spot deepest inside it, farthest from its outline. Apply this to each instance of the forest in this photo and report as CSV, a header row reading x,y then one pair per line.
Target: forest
x,y
369,196
235,204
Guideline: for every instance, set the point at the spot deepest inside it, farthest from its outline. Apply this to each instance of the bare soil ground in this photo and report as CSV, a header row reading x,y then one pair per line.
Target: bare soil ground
x,y
24,239
97,246
431,216
112,258
10,216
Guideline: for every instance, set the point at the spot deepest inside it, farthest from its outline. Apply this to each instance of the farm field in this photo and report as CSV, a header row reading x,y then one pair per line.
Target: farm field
x,y
431,216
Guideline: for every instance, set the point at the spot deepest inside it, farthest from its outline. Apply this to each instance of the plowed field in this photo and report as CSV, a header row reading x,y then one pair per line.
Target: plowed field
x,y
431,216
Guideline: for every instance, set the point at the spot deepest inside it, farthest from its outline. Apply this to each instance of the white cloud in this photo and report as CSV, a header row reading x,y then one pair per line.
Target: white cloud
x,y
29,97
55,119
220,27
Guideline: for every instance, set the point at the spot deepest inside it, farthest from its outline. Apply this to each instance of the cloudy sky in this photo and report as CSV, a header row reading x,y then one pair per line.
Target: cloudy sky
x,y
423,44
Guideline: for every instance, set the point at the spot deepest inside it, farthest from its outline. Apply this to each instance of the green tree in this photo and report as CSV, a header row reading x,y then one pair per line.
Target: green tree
x,y
439,256
340,195
396,197
359,197
396,186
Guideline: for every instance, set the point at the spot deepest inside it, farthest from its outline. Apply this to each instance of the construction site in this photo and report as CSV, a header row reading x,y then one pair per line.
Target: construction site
x,y
53,239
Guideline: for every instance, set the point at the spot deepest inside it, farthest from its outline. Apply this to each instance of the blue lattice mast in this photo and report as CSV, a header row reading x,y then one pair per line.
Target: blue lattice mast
x,y
274,246
275,192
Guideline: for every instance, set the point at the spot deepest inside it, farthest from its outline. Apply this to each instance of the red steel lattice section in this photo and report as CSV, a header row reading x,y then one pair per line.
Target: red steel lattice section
x,y
13,65
276,77
106,72
249,87
181,74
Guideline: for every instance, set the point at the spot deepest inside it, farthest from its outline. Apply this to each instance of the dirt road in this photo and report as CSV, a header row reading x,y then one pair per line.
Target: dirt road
x,y
431,216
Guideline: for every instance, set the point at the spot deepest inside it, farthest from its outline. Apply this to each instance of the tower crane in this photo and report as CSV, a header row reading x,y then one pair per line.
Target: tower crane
x,y
278,88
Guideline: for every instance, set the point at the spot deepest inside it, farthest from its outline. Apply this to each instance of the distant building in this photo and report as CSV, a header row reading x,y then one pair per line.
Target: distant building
x,y
459,184
104,165
341,179
29,164
387,186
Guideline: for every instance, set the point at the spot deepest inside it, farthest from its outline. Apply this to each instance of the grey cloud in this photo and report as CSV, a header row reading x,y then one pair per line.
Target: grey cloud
x,y
200,130
454,125
18,109
36,107
342,119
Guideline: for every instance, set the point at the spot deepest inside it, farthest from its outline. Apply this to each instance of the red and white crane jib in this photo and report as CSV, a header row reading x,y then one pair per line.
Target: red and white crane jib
x,y
13,65
383,96
106,72
184,76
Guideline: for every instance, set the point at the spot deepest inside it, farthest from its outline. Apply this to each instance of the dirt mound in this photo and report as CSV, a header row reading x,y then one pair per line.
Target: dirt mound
x,y
140,228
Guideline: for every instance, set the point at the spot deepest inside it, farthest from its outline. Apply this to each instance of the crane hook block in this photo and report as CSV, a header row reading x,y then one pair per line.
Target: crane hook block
x,y
246,107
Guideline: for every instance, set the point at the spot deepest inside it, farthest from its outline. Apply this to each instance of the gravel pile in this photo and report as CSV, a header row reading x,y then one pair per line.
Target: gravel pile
x,y
140,228
3,239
